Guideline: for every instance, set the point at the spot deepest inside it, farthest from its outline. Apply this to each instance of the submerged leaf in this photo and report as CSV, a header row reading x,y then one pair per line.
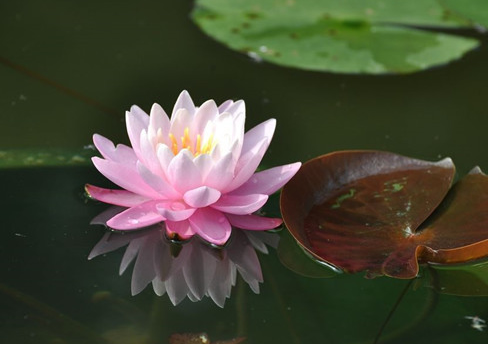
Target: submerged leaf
x,y
355,36
367,211
460,279
15,158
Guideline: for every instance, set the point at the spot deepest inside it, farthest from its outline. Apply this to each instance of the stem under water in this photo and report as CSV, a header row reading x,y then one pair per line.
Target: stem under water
x,y
241,309
429,306
70,92
392,311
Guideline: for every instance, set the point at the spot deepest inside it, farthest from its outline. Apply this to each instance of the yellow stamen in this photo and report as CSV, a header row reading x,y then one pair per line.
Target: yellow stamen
x,y
186,143
207,147
198,145
174,144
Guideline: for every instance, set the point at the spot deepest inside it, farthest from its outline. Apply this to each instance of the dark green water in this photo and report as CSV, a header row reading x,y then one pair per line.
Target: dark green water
x,y
119,54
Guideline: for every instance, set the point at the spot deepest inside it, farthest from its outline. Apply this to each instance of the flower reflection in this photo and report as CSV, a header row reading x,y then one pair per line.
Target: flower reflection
x,y
193,268
193,171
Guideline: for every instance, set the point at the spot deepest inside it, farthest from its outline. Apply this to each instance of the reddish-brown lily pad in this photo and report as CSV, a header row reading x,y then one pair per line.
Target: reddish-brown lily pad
x,y
384,213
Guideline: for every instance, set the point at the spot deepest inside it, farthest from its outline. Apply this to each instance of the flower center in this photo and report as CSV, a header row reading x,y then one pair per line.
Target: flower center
x,y
196,147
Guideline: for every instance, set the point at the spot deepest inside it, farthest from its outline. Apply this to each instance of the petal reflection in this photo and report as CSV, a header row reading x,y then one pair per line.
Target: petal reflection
x,y
192,268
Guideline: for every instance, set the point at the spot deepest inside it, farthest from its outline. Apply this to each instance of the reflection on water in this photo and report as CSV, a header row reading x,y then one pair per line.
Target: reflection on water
x,y
193,268
88,46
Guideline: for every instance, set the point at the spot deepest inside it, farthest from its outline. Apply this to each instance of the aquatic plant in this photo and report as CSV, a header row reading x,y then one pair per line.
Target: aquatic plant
x,y
383,213
194,171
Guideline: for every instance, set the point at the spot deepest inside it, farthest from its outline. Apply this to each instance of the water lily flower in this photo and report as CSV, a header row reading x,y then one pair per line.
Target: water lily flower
x,y
193,269
194,171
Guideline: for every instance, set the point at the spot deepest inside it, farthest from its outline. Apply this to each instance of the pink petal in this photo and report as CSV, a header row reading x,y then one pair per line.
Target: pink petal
x,y
239,127
256,134
247,165
182,228
221,173
268,181
136,120
181,120
121,153
208,111
165,155
124,176
184,101
148,154
226,129
236,108
228,133
253,222
140,216
107,214
182,172
201,197
225,105
211,225
204,164
140,115
240,205
174,211
158,119
157,183
123,198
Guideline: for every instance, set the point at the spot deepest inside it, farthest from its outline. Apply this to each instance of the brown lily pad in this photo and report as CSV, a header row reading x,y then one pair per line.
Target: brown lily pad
x,y
384,213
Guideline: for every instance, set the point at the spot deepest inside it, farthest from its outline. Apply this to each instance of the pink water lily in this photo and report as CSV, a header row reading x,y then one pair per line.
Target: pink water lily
x,y
194,171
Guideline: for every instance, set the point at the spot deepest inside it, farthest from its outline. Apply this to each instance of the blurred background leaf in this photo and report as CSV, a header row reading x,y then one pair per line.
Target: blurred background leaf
x,y
354,36
16,158
475,11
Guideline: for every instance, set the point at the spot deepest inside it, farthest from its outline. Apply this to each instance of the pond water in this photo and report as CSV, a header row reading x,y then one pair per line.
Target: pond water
x,y
68,70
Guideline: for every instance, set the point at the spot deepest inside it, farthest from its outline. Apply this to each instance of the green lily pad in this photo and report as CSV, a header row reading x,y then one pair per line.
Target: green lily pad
x,y
355,36
15,158
476,11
